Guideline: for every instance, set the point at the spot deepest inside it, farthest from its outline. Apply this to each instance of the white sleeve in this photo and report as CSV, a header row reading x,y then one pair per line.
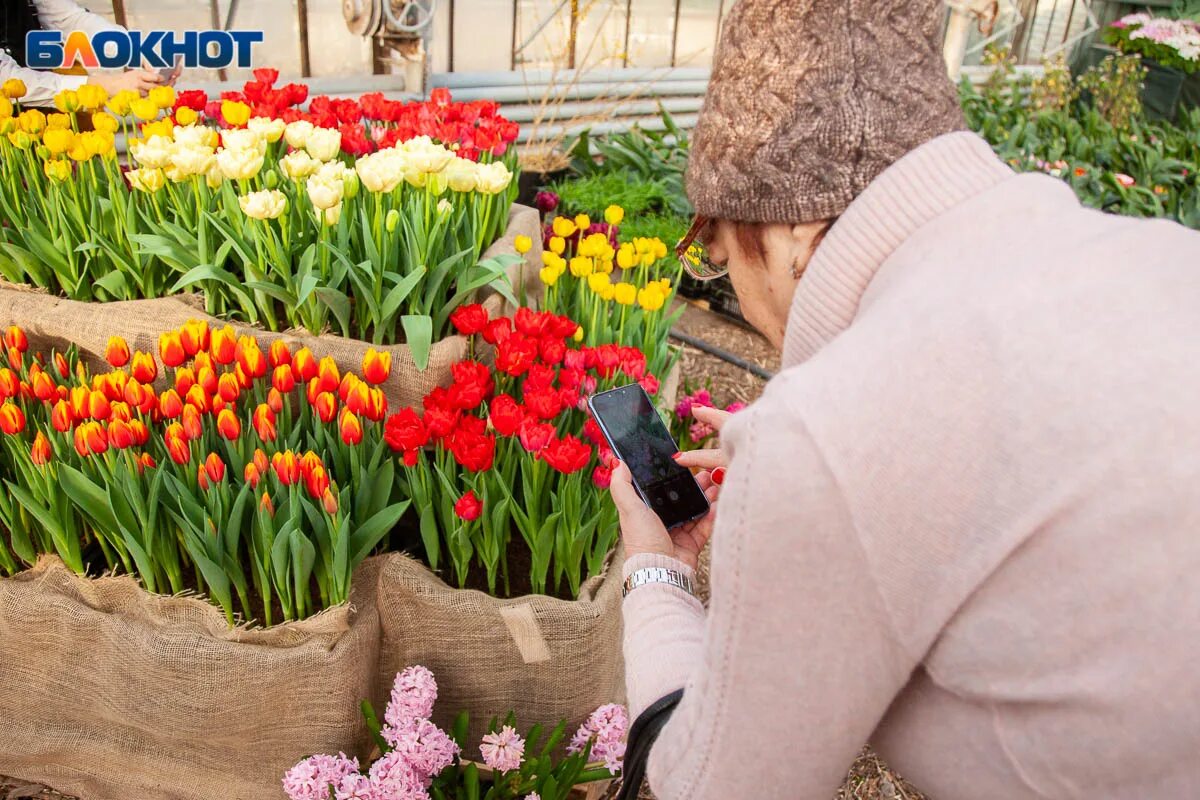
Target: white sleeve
x,y
40,86
67,15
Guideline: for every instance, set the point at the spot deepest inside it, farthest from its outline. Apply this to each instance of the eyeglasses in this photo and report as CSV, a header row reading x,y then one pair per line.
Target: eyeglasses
x,y
693,254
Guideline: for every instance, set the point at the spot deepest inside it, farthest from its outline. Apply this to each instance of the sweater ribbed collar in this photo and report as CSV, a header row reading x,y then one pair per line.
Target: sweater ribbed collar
x,y
918,188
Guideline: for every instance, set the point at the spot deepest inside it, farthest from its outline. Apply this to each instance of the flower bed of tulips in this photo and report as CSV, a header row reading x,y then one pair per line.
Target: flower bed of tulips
x,y
364,217
618,290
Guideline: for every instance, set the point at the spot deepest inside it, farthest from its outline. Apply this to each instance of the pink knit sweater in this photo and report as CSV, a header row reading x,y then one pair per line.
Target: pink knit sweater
x,y
964,521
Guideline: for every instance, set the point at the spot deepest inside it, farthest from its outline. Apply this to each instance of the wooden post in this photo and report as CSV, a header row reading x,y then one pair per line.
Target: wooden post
x,y
214,16
302,14
574,34
119,13
675,32
450,47
628,22
512,59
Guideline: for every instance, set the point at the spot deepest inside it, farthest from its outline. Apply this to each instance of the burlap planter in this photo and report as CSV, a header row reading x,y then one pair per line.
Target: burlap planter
x,y
544,659
111,693
55,322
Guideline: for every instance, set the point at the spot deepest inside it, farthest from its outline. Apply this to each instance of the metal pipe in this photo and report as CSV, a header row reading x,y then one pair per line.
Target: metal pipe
x,y
302,18
214,18
565,77
721,353
450,46
628,20
675,32
512,54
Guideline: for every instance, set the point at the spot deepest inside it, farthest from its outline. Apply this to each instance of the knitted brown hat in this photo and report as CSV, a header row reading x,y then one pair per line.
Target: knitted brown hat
x,y
811,99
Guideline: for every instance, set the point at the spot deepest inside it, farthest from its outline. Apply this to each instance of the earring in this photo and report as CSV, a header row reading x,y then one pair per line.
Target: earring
x,y
798,270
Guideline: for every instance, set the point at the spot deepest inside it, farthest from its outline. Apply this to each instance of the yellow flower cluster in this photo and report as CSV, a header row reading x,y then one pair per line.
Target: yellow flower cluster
x,y
53,139
595,259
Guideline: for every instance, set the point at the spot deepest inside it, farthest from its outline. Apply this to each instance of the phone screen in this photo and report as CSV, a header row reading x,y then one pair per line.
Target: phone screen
x,y
639,437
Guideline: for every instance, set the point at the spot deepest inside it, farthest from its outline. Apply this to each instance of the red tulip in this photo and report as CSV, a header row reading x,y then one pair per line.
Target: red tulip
x,y
223,345
497,330
264,423
40,452
543,402
193,427
141,434
649,383
43,387
316,482
120,435
567,454
405,431
194,335
351,428
278,355
469,507
551,350
15,339
602,477
250,357
139,397
116,352
275,400
120,410
15,359
60,363
251,474
228,425
10,384
469,319
326,406
61,417
169,404
515,354
145,462
304,365
505,414
472,450
376,406
472,384
260,460
535,435
94,437
170,349
144,368
377,366
283,379
532,323
202,479
215,467
287,467
198,399
328,377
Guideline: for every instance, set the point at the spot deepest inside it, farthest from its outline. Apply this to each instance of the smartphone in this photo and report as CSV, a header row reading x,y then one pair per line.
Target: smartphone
x,y
169,74
638,436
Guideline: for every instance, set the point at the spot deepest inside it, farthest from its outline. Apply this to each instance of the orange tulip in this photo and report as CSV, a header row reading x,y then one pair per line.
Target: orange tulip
x,y
91,439
169,404
61,416
287,467
279,355
15,339
43,387
40,452
120,410
260,461
207,379
264,423
60,363
316,481
224,345
228,387
219,404
215,468
140,397
179,449
15,359
98,406
170,348
283,379
141,434
10,384
377,366
113,384
310,461
251,474
202,479
145,462
185,379
351,429
144,368
203,359
330,502
193,427
326,406
357,396
348,384
275,400
228,425
376,408
266,505
304,365
116,352
12,419
197,397
328,375
194,336
120,435
251,357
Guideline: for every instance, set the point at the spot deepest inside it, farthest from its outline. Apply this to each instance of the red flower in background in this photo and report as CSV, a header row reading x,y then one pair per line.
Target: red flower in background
x,y
515,354
471,448
405,430
472,385
602,477
535,435
497,330
469,507
542,401
470,319
506,415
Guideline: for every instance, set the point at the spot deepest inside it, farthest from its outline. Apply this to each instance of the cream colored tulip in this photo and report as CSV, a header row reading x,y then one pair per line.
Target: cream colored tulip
x,y
381,172
146,180
461,175
424,155
271,130
155,153
330,216
493,178
297,133
324,193
190,161
298,164
244,139
324,144
267,204
239,165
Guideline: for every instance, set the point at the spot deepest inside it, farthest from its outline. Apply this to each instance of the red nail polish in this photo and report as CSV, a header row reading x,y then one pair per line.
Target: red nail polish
x,y
718,476
676,454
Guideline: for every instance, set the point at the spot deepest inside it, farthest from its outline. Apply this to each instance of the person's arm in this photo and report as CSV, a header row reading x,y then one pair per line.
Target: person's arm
x,y
40,86
796,661
67,15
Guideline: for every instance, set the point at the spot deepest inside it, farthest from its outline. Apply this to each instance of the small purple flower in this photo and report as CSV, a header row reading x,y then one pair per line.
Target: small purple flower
x,y
605,729
503,751
424,745
355,787
546,202
311,778
413,694
393,778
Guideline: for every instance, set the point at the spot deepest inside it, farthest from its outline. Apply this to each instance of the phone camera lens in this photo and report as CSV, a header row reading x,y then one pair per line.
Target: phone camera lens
x,y
674,495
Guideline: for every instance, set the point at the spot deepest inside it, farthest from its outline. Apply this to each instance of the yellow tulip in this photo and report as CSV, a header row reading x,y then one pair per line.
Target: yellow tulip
x,y
92,98
549,275
578,334
625,256
58,121
598,282
105,122
613,215
32,122
67,101
97,143
13,89
235,113
144,109
605,266
186,116
583,222
6,108
557,245
267,204
625,293
58,141
581,267
79,150
57,170
146,180
660,249
651,298
120,103
7,125
20,140
163,127
522,244
162,96
563,228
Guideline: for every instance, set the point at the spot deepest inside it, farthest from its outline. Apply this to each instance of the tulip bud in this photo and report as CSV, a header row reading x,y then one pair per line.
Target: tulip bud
x,y
266,505
350,184
170,348
60,363
224,345
330,502
351,429
215,468
40,452
278,354
392,220
377,366
251,474
272,179
325,406
144,369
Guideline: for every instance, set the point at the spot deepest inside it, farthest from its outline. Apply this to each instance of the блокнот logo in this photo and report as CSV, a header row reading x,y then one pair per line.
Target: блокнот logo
x,y
158,49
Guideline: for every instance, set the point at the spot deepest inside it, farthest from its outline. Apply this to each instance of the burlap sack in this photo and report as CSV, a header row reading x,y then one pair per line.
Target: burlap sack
x,y
544,659
110,693
55,322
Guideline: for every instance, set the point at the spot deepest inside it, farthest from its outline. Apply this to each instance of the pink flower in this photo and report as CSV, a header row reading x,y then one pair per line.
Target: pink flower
x,y
605,729
533,796
1123,179
735,407
311,778
355,787
425,746
393,778
413,695
503,751
699,431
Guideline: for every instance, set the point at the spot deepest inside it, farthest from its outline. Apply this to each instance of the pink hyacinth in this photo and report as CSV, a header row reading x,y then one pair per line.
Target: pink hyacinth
x,y
355,787
735,407
413,694
311,778
605,729
424,745
699,431
393,778
503,751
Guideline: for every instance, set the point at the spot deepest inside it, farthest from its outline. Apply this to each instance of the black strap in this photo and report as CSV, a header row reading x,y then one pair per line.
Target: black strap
x,y
642,735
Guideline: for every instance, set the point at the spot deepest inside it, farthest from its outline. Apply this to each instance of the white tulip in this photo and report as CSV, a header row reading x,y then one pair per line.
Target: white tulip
x,y
239,165
267,204
269,129
324,144
299,164
461,175
244,139
330,216
195,136
424,155
324,192
380,172
493,178
297,133
155,153
190,161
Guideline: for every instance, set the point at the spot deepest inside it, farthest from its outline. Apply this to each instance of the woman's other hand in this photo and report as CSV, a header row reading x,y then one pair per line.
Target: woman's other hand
x,y
643,532
137,80
711,462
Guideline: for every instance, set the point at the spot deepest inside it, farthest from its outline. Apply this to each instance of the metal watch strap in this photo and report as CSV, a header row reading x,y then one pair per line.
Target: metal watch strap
x,y
645,575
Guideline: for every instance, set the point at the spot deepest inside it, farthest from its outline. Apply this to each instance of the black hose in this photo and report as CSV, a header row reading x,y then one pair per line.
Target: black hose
x,y
724,355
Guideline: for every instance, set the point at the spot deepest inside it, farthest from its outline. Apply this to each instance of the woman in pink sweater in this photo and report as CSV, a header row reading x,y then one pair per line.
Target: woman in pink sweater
x,y
963,522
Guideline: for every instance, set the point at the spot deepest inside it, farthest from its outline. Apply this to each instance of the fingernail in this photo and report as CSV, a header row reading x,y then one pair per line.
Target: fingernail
x,y
676,454
718,476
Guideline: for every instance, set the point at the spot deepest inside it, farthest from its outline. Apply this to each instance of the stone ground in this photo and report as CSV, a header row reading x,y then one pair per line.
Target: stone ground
x,y
869,778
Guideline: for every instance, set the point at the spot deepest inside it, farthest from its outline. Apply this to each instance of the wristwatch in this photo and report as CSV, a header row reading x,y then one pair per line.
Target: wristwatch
x,y
645,575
